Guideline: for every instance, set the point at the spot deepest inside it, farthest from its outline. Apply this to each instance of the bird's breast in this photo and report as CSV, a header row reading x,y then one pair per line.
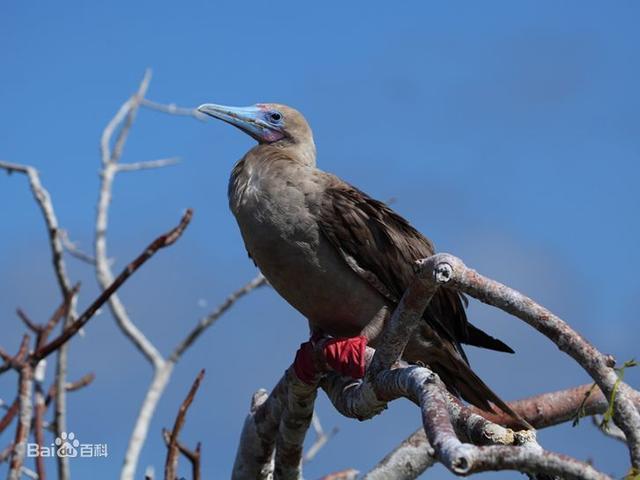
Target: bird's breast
x,y
284,239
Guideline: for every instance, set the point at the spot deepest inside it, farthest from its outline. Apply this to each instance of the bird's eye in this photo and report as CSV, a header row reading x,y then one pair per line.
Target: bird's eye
x,y
275,116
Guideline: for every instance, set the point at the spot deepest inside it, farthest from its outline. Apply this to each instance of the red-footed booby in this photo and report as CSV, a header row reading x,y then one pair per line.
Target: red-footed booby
x,y
339,257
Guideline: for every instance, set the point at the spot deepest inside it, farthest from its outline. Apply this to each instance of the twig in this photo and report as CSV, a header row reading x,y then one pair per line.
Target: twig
x,y
611,430
80,383
73,249
208,320
25,389
43,199
192,455
9,415
148,165
321,438
38,422
173,109
171,463
159,243
348,474
6,453
70,386
110,160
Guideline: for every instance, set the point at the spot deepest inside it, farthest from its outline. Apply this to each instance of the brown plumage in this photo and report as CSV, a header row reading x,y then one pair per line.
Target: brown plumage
x,y
337,255
382,247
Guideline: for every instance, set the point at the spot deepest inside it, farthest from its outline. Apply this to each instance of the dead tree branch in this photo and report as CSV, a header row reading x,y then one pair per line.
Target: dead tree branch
x,y
600,367
162,366
457,436
43,199
321,438
26,362
173,109
173,447
25,391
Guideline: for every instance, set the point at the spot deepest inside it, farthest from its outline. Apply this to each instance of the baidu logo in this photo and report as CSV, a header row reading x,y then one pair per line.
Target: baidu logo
x,y
67,445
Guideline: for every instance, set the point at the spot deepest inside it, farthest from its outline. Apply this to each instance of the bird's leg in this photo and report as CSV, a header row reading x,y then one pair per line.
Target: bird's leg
x,y
323,353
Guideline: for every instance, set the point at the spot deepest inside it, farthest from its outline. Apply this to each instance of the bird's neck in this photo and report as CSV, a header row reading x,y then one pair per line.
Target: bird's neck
x,y
305,152
302,151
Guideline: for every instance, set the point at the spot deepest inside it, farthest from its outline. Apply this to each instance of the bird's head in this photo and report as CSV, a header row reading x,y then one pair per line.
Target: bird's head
x,y
267,123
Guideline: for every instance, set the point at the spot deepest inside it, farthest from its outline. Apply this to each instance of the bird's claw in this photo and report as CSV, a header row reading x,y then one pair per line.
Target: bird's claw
x,y
346,356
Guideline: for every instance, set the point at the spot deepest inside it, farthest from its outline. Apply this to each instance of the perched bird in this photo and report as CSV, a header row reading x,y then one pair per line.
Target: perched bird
x,y
338,256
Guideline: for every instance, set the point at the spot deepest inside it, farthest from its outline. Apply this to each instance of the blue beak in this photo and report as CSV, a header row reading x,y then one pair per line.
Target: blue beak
x,y
248,119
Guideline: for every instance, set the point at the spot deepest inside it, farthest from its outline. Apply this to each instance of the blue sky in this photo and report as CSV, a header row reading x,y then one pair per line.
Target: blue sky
x,y
507,132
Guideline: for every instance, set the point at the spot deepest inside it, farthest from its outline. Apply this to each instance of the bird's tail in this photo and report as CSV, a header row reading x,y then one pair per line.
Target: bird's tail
x,y
461,380
478,338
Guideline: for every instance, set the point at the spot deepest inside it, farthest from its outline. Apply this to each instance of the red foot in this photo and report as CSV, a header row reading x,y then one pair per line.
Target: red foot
x,y
343,355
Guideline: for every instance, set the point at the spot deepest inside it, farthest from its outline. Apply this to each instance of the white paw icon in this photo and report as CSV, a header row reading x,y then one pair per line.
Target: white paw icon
x,y
67,444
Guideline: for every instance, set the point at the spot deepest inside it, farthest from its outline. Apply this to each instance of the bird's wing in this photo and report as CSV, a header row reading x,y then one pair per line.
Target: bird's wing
x,y
382,247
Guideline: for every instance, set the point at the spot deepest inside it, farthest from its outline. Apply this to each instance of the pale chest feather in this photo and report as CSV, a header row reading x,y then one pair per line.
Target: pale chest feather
x,y
269,202
272,208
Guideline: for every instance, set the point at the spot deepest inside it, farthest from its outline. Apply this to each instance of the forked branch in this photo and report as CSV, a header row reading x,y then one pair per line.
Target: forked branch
x,y
462,438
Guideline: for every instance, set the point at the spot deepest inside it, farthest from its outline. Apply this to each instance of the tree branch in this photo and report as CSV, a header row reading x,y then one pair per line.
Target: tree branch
x,y
159,243
597,365
171,463
25,390
173,109
43,199
447,422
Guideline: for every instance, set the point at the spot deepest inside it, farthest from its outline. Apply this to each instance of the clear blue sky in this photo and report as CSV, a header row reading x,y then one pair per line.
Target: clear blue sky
x,y
507,131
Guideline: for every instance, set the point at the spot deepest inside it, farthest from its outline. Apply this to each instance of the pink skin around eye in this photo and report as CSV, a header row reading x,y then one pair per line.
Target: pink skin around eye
x,y
272,135
269,135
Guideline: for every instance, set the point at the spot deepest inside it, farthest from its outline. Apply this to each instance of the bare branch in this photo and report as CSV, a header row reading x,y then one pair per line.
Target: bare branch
x,y
16,362
173,109
130,117
321,438
159,243
348,474
610,431
207,321
9,415
407,461
192,455
43,199
148,165
6,453
447,422
80,383
126,113
163,367
599,366
25,389
161,376
171,463
38,427
254,458
294,423
73,249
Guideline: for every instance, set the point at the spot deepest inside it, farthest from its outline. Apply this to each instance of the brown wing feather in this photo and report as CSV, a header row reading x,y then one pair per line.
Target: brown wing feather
x,y
382,247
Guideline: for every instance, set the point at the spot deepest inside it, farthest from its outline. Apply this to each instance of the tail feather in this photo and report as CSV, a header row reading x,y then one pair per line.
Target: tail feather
x,y
478,338
462,381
